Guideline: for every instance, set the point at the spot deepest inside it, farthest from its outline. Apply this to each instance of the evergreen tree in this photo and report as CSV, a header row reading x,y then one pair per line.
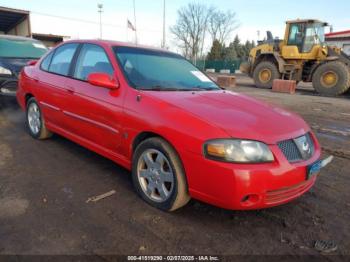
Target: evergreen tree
x,y
238,47
235,50
230,53
215,51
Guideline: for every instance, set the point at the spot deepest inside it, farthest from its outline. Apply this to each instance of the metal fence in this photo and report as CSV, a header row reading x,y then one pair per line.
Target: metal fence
x,y
218,65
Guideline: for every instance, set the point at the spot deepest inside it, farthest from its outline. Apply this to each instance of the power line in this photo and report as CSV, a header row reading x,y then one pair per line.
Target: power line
x,y
88,21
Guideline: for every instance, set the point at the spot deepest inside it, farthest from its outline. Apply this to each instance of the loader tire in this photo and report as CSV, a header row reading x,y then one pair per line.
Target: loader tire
x,y
331,78
264,74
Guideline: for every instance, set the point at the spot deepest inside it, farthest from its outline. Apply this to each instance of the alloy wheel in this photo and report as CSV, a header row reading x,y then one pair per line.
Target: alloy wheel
x,y
155,175
34,118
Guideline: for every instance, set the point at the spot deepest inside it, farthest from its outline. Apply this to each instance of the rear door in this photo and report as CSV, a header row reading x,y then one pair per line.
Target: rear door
x,y
95,112
51,82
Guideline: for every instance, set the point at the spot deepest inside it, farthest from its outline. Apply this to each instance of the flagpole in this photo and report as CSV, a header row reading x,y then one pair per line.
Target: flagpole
x,y
135,23
163,43
100,6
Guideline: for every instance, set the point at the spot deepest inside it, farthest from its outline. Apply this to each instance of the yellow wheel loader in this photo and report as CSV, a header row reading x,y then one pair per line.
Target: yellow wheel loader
x,y
301,56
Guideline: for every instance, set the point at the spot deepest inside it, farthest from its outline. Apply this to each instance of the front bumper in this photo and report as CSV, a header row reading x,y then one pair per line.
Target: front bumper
x,y
8,86
248,186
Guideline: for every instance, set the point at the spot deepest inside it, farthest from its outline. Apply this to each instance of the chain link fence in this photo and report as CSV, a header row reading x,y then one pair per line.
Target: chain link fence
x,y
218,65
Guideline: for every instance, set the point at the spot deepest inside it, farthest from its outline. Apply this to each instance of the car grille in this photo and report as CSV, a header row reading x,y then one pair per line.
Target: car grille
x,y
292,152
287,193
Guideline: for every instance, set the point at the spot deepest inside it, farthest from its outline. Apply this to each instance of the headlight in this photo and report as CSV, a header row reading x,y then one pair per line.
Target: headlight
x,y
240,151
5,71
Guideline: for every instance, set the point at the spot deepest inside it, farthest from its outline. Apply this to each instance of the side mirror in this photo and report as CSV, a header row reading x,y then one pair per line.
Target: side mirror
x,y
32,62
103,80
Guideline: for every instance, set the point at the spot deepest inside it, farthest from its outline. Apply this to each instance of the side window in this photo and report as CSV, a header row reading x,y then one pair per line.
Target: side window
x,y
46,62
62,58
92,59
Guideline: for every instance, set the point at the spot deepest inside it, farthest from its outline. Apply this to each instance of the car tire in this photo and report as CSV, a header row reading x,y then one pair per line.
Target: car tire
x,y
158,175
35,121
264,74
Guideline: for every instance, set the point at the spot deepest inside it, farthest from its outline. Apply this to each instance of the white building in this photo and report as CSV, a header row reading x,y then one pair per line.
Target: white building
x,y
339,39
17,22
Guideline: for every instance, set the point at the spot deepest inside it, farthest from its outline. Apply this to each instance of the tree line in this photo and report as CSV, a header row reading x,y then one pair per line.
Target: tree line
x,y
196,21
235,50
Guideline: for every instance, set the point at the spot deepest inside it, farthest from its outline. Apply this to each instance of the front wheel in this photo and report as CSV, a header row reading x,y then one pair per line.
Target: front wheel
x,y
264,74
331,78
35,121
158,175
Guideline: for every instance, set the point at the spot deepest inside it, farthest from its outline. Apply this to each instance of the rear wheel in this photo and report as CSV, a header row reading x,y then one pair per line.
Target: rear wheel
x,y
332,78
264,74
35,121
158,175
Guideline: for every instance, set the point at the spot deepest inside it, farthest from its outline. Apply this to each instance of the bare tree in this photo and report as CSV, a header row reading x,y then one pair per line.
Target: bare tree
x,y
222,24
191,27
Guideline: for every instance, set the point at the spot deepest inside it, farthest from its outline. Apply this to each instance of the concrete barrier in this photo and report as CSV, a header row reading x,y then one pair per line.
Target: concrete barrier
x,y
284,86
226,81
225,71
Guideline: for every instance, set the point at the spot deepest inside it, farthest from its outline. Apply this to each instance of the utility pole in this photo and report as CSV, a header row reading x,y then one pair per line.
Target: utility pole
x,y
100,6
135,23
163,42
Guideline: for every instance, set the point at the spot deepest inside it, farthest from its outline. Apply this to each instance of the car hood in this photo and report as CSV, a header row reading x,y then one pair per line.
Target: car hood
x,y
238,115
14,64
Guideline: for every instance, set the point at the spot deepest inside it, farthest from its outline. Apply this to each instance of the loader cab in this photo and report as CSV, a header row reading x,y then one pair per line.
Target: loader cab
x,y
303,38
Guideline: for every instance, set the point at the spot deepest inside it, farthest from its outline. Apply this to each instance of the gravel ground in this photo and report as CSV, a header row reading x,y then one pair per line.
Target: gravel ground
x,y
44,186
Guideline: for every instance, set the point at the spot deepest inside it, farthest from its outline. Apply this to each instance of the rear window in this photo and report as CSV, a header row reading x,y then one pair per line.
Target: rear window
x,y
21,48
46,62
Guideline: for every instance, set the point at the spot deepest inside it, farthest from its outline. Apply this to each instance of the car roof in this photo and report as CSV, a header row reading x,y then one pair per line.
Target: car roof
x,y
112,43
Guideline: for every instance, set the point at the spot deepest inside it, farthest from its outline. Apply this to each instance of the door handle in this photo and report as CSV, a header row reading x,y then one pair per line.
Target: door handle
x,y
70,89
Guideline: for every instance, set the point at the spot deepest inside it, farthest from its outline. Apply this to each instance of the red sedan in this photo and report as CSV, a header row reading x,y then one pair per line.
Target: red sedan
x,y
181,135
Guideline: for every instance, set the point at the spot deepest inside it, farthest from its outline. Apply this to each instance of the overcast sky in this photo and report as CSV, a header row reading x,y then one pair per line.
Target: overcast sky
x,y
253,15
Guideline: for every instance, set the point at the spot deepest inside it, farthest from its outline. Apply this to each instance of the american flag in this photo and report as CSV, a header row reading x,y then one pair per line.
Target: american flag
x,y
131,26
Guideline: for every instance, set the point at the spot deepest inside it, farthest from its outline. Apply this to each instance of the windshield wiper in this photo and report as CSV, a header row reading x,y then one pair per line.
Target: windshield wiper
x,y
204,88
162,88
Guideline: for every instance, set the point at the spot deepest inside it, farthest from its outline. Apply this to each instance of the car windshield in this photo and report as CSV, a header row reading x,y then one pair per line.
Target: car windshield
x,y
21,48
159,70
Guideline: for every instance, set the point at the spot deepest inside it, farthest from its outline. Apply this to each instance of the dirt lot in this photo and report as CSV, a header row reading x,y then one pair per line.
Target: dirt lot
x,y
44,186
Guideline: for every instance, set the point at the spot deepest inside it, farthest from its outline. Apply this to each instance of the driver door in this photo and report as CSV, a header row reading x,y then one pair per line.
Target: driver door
x,y
95,112
294,45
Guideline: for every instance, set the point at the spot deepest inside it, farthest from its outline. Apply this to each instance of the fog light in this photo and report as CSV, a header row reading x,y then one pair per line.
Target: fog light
x,y
249,200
